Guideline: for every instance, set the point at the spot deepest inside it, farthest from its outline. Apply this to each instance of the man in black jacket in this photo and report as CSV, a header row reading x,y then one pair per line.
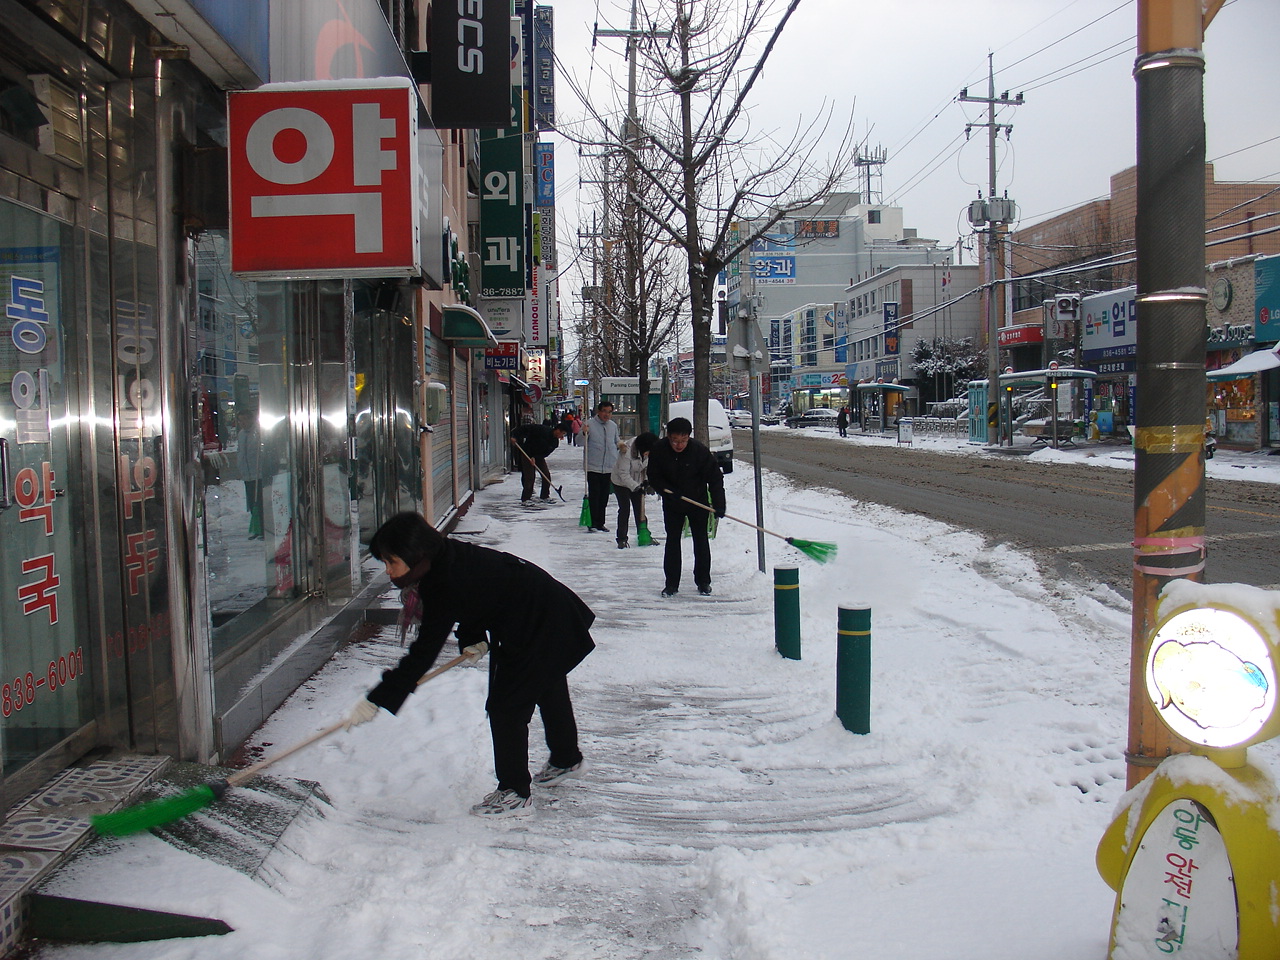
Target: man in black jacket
x,y
536,441
681,466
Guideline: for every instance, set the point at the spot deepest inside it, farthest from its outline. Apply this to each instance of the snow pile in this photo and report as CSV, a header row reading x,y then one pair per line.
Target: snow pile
x,y
725,813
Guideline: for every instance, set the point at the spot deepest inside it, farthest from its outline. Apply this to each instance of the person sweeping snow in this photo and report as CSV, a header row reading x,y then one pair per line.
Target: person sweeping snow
x,y
535,629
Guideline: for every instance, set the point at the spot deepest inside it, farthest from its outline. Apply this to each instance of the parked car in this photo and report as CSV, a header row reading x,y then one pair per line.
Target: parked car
x,y
740,418
814,417
719,433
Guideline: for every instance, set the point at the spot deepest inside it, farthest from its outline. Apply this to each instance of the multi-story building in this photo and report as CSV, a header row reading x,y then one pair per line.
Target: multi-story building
x,y
192,452
891,312
793,281
1089,253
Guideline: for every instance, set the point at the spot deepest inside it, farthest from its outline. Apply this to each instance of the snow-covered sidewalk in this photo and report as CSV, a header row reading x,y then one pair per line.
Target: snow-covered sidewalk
x,y
724,813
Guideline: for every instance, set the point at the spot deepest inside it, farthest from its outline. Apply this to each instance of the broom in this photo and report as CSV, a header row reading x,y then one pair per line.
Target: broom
x,y
559,492
156,813
818,550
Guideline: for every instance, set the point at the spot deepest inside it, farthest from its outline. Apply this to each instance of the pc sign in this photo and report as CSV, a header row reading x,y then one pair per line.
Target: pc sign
x,y
324,180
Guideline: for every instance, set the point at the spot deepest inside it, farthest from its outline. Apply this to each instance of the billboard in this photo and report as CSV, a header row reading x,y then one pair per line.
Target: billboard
x,y
336,164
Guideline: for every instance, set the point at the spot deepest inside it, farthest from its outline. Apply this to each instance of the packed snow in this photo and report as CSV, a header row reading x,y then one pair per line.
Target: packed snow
x,y
724,812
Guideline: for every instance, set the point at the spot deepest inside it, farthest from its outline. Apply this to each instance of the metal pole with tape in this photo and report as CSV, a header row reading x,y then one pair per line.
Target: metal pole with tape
x,y
853,668
786,611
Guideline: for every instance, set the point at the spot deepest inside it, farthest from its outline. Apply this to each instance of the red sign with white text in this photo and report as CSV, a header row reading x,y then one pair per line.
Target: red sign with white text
x,y
324,180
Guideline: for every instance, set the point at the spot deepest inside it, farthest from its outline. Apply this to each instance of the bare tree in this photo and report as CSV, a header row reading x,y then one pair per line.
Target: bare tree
x,y
706,171
637,293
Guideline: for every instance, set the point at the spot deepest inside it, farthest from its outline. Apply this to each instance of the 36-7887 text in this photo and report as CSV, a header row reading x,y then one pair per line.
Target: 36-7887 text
x,y
22,691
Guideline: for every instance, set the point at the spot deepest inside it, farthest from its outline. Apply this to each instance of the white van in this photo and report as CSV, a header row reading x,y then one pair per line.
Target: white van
x,y
719,434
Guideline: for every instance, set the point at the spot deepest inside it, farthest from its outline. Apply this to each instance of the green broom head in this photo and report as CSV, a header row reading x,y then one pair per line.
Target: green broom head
x,y
144,816
819,550
584,518
643,537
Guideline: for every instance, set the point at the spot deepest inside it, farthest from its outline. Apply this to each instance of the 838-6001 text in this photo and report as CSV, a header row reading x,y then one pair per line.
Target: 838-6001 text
x,y
22,691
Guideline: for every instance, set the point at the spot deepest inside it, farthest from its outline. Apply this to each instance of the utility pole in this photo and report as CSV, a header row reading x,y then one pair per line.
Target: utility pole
x,y
1168,444
998,214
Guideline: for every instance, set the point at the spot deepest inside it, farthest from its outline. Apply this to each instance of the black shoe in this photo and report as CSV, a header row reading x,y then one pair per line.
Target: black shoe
x,y
670,591
603,529
705,591
623,543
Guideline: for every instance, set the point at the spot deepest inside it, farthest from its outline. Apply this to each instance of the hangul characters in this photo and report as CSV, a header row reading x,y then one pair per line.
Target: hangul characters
x,y
43,594
28,489
1172,926
1188,828
140,557
1180,876
138,481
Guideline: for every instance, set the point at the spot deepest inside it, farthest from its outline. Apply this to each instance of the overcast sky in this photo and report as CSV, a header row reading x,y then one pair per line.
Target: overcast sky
x,y
900,64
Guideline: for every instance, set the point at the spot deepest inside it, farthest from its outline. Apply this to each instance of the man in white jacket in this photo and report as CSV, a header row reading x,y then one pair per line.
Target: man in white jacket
x,y
601,452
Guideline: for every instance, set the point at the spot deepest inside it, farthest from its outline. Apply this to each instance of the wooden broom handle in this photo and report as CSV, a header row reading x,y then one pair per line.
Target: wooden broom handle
x,y
728,516
248,773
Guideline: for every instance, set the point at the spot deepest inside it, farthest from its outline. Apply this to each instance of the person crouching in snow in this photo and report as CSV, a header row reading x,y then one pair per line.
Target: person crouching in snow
x,y
535,629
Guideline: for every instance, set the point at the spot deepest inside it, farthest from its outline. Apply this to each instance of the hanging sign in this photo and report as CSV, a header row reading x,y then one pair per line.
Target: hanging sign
x,y
324,180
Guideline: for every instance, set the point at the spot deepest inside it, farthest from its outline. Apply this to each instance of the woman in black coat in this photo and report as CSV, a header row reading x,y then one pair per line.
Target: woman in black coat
x,y
535,628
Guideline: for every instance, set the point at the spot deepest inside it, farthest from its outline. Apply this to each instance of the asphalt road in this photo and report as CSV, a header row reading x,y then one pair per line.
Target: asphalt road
x,y
1076,519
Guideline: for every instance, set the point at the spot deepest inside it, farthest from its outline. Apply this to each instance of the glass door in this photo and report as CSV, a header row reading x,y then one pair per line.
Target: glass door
x,y
47,662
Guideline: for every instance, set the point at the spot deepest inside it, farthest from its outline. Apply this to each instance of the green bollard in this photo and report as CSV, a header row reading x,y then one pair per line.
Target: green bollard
x,y
786,611
853,668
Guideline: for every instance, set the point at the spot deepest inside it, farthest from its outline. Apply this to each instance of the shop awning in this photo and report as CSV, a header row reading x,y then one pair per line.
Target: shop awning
x,y
466,328
1247,366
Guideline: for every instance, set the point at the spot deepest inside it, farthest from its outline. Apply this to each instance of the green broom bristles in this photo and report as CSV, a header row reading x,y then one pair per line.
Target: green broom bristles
x,y
584,518
144,816
819,550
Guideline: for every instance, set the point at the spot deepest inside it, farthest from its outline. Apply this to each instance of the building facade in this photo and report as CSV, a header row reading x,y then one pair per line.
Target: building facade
x,y
191,460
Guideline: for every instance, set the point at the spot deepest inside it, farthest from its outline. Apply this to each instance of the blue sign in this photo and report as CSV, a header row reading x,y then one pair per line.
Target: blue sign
x,y
544,158
774,269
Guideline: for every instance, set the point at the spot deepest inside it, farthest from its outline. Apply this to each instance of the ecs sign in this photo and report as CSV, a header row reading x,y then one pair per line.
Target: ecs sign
x,y
324,180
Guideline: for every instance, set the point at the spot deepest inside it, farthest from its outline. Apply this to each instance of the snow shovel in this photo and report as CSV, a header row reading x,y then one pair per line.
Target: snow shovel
x,y
545,476
155,813
818,550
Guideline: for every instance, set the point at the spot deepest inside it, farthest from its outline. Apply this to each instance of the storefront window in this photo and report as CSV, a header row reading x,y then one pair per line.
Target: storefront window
x,y
246,354
47,657
1232,412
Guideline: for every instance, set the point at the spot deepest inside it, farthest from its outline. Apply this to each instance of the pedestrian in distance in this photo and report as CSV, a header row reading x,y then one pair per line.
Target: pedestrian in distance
x,y
249,460
629,476
842,421
602,450
534,628
680,466
532,443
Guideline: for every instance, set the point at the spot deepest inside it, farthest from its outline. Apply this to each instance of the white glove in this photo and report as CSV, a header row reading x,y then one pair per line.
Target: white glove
x,y
476,650
362,712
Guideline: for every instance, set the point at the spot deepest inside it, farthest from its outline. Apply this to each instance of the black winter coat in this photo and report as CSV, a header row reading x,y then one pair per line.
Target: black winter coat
x,y
536,439
537,628
690,473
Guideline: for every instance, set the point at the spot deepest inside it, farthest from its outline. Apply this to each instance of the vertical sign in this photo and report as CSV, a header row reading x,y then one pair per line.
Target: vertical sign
x,y
545,200
502,227
544,69
892,338
470,78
